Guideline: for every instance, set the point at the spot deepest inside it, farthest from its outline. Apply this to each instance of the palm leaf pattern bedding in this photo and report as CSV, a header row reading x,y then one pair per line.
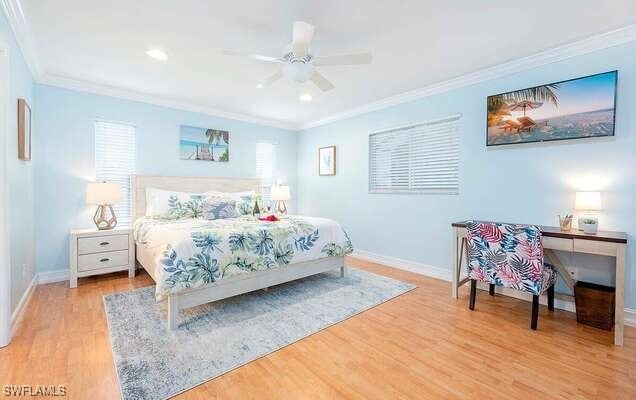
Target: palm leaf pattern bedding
x,y
198,252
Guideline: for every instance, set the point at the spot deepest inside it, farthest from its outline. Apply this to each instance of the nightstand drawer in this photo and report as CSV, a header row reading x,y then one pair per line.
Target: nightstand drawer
x,y
89,262
100,244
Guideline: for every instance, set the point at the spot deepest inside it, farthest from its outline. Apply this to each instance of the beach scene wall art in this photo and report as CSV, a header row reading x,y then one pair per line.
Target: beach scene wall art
x,y
572,109
204,144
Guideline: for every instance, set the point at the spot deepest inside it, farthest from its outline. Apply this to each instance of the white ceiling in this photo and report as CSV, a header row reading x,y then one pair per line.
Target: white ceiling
x,y
415,43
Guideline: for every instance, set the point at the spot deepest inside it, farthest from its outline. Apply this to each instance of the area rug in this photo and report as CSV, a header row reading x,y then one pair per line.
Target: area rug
x,y
153,362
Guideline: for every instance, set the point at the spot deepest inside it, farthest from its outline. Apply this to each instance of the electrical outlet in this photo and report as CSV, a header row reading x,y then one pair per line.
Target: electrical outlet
x,y
574,273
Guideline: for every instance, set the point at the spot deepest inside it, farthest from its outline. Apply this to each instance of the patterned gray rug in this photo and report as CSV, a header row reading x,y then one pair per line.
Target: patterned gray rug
x,y
155,363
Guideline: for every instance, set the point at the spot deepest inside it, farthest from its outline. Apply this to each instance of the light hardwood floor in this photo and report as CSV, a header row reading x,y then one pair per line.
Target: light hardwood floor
x,y
421,345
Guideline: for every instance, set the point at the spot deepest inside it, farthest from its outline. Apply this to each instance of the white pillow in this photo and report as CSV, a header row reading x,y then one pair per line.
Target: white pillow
x,y
244,200
175,205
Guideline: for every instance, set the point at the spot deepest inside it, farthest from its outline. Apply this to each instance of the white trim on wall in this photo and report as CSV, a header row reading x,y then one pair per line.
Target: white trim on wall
x,y
52,276
630,317
577,48
407,265
17,21
5,259
19,25
445,274
18,313
127,94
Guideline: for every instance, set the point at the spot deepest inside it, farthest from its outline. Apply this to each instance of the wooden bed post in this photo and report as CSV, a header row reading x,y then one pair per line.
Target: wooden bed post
x,y
173,311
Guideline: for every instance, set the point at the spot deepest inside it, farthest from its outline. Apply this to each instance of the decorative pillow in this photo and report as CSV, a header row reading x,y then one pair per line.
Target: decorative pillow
x,y
173,205
244,200
219,208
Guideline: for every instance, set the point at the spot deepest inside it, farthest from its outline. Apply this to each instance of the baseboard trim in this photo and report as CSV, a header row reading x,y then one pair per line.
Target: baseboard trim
x,y
444,274
17,314
630,317
52,276
407,265
561,304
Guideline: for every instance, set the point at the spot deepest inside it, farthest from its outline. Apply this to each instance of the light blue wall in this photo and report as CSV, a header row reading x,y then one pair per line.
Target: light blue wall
x,y
65,157
523,183
19,173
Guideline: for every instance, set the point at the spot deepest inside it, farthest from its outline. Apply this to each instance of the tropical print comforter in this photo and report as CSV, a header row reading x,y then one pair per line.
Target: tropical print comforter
x,y
197,252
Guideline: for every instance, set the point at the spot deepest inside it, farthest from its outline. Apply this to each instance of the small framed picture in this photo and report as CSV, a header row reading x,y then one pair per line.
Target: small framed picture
x,y
327,161
24,130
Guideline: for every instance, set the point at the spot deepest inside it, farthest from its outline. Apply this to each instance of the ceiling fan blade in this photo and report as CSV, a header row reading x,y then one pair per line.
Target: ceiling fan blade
x,y
268,81
257,57
345,59
301,37
319,80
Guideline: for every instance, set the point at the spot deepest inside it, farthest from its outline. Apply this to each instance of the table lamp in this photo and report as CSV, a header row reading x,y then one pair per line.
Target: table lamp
x,y
280,194
103,194
587,203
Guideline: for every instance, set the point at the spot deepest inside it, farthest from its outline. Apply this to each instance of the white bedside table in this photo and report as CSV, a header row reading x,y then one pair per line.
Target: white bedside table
x,y
94,252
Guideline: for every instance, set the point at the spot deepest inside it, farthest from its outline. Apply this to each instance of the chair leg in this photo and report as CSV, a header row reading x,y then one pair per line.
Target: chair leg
x,y
473,294
491,289
535,312
551,298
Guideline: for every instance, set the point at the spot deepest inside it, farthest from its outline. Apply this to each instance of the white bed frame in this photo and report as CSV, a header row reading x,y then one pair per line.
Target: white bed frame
x,y
237,284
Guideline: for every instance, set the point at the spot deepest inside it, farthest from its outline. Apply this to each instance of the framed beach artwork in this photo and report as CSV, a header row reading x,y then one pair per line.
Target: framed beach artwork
x,y
573,109
204,144
24,130
327,161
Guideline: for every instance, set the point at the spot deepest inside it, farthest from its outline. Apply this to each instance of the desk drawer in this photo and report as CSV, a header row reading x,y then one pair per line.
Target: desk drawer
x,y
89,262
558,243
100,244
595,247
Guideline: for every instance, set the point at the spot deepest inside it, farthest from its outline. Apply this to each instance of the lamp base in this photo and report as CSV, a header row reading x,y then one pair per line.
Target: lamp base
x,y
281,207
103,222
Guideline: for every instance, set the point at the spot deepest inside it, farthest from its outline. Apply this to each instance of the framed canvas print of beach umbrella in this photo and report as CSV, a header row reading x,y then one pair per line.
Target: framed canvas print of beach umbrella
x,y
204,144
573,109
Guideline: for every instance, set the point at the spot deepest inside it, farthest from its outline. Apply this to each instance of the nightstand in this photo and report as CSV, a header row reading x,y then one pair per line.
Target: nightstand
x,y
94,252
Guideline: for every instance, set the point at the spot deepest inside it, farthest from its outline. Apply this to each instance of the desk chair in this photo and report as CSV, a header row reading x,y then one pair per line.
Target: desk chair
x,y
509,255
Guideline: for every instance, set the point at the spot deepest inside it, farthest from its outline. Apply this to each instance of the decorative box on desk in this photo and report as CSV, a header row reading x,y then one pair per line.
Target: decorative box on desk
x,y
94,252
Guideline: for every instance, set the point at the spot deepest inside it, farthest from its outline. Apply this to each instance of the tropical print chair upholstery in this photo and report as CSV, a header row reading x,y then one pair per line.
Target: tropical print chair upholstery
x,y
509,255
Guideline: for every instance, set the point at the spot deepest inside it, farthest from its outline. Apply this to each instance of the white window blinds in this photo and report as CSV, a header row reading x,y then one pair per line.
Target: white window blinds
x,y
115,162
265,166
418,158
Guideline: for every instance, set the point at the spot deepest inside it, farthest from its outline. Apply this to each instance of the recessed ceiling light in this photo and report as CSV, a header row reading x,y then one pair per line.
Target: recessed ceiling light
x,y
157,54
260,86
305,97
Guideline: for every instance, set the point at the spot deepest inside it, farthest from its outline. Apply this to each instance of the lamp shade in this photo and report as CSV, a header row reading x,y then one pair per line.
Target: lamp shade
x,y
103,193
280,193
588,201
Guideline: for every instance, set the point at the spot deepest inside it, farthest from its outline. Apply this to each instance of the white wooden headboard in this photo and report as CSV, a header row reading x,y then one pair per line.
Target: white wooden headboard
x,y
190,184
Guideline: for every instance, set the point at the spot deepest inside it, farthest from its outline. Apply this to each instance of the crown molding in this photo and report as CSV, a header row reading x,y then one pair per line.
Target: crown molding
x,y
588,45
17,21
111,91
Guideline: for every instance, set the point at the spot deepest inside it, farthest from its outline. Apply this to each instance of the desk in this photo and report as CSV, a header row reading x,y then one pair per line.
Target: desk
x,y
603,243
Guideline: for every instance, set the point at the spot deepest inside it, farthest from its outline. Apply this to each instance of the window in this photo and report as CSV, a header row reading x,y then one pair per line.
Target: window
x,y
265,166
115,162
418,158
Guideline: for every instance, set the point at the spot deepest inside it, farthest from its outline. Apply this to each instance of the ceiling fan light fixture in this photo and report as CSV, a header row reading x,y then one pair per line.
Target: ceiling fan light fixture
x,y
157,54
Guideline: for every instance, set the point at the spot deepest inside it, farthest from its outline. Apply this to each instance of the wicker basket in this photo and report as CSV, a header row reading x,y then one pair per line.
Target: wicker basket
x,y
595,305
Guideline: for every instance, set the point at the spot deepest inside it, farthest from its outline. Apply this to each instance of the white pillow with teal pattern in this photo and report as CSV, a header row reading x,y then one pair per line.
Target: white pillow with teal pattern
x,y
219,208
173,205
244,200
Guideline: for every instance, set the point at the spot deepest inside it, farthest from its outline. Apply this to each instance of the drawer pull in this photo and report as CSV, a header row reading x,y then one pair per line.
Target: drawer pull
x,y
104,259
104,243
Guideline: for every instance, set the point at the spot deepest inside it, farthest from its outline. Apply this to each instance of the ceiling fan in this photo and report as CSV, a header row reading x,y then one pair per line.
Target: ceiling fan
x,y
299,64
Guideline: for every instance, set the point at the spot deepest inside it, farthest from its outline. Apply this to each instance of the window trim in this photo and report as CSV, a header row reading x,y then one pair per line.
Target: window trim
x,y
456,116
